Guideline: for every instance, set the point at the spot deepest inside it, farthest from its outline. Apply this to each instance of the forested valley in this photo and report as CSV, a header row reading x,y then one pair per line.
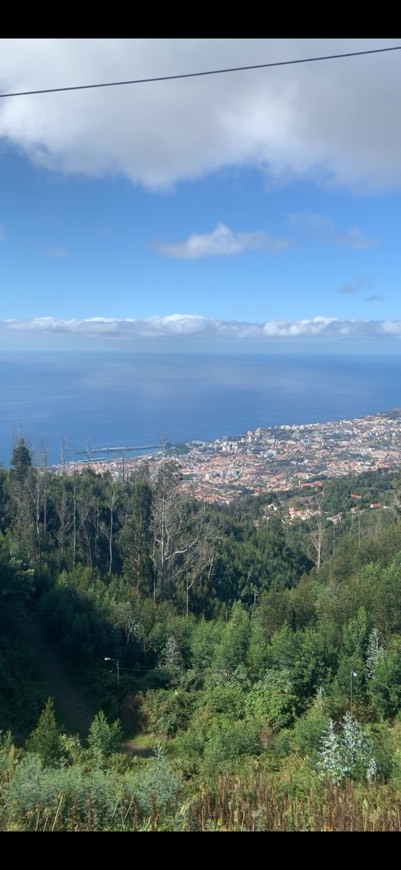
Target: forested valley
x,y
238,671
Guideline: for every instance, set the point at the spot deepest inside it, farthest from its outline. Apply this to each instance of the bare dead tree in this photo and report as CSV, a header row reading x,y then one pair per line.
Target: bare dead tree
x,y
316,535
108,528
183,537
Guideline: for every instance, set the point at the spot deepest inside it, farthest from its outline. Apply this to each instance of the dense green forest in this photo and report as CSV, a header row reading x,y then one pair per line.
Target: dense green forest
x,y
242,670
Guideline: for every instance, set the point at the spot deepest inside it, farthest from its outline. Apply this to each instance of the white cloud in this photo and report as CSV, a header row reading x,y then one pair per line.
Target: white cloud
x,y
288,328
58,252
334,121
178,326
360,284
348,289
391,327
323,229
223,242
355,239
310,221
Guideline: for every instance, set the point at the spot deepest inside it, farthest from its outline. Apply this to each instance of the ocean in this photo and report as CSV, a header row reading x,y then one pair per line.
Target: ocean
x,y
65,403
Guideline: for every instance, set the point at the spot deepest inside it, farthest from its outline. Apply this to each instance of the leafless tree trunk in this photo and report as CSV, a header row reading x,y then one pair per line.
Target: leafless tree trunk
x,y
74,518
182,538
108,530
317,533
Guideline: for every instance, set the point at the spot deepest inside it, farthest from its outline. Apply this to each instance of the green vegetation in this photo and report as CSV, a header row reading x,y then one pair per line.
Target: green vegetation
x,y
243,668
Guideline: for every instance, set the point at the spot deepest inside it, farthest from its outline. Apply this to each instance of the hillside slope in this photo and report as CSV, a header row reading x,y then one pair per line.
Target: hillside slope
x,y
73,712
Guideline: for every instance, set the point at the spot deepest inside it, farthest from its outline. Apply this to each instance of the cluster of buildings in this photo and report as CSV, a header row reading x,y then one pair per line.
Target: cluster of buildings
x,y
278,458
287,457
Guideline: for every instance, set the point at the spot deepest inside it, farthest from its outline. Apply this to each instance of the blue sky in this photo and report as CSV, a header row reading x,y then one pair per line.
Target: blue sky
x,y
251,210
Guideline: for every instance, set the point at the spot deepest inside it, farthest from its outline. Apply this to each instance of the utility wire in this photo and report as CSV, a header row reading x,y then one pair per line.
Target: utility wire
x,y
211,72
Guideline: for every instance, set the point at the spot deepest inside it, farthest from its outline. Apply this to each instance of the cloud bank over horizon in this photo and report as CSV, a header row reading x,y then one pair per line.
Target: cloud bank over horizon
x,y
181,326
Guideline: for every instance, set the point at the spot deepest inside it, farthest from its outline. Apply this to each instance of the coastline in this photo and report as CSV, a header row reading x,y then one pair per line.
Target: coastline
x,y
272,459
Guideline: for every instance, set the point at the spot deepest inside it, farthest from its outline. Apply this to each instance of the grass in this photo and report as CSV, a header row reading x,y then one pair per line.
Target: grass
x,y
141,744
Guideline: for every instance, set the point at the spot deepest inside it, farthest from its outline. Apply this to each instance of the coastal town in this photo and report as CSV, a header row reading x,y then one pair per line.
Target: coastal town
x,y
272,459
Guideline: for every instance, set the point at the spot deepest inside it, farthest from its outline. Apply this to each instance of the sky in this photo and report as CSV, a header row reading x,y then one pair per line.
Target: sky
x,y
242,210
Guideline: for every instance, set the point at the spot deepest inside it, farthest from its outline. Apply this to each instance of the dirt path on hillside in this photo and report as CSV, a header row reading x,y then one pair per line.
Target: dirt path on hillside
x,y
72,711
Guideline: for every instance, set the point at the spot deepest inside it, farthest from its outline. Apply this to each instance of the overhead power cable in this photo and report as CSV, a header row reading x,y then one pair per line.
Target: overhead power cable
x,y
211,72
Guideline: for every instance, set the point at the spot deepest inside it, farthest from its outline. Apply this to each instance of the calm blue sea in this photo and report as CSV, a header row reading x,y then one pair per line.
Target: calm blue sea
x,y
77,401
